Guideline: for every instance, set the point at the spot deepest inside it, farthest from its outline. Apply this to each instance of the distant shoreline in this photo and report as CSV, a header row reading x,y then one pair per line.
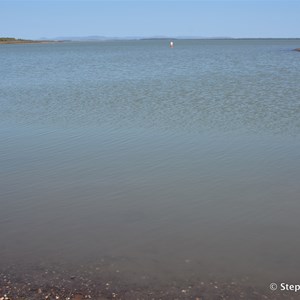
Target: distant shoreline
x,y
21,41
8,40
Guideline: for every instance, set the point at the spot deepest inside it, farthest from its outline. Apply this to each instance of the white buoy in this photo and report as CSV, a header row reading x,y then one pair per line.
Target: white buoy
x,y
171,44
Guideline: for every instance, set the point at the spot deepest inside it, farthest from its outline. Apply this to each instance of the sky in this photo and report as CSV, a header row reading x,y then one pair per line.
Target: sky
x,y
145,18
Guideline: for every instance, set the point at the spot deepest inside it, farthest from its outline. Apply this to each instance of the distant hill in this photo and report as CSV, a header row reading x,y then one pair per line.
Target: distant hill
x,y
106,38
84,38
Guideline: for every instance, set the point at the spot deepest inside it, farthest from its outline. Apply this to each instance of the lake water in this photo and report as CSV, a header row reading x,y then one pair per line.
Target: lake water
x,y
167,162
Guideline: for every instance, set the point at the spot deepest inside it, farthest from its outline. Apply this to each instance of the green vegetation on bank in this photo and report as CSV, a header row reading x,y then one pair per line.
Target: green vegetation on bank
x,y
10,40
6,39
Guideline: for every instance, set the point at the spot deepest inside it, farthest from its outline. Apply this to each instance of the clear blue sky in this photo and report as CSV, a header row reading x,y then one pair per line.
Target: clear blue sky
x,y
240,18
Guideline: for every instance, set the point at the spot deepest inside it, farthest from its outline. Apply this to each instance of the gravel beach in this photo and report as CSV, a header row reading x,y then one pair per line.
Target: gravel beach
x,y
99,283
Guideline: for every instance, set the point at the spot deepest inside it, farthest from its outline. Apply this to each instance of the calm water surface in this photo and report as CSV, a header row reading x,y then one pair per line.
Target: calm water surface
x,y
171,162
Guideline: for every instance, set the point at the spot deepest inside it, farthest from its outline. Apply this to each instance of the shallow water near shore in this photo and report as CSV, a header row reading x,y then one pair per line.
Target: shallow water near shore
x,y
168,163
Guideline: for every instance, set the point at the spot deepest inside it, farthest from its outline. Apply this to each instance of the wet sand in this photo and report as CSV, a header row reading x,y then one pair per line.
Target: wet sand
x,y
99,282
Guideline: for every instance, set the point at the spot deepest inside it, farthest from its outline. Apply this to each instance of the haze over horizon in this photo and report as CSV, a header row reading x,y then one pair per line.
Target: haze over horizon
x,y
123,18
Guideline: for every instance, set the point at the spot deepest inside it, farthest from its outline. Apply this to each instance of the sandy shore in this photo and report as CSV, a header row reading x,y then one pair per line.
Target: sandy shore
x,y
95,283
